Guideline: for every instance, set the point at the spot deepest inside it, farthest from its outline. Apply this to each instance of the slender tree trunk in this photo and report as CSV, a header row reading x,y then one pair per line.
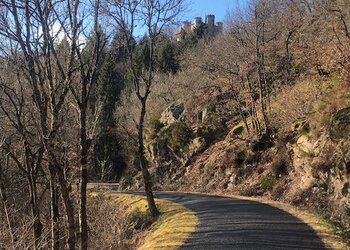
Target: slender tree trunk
x,y
240,109
260,68
35,212
288,54
262,103
68,204
33,199
8,220
261,87
84,144
55,217
143,162
253,113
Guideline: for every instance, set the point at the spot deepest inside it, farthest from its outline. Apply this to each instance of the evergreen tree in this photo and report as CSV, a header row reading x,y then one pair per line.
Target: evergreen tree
x,y
108,162
167,61
192,39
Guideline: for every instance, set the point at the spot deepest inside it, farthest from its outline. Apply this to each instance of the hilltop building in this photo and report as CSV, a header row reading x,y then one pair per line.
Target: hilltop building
x,y
211,28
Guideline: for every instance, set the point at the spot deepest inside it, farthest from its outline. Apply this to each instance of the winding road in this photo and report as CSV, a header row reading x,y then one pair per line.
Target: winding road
x,y
229,223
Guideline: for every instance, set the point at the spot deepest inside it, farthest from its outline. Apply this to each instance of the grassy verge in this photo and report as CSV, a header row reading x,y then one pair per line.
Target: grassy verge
x,y
169,231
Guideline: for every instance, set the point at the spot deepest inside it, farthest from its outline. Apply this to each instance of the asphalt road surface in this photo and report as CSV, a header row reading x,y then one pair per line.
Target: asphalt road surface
x,y
228,223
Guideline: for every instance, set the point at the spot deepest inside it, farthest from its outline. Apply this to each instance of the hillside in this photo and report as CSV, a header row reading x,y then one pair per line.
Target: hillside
x,y
306,165
212,127
106,92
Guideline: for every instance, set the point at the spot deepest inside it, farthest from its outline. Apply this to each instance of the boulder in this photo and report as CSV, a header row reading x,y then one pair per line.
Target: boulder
x,y
305,146
173,113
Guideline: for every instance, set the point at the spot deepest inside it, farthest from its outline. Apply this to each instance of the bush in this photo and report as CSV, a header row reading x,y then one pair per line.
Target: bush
x,y
267,183
209,170
154,126
177,136
280,163
279,166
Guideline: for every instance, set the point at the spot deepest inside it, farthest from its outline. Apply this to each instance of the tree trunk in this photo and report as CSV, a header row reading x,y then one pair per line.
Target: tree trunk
x,y
253,113
33,199
84,144
68,204
37,226
143,162
7,214
260,67
55,217
240,109
262,103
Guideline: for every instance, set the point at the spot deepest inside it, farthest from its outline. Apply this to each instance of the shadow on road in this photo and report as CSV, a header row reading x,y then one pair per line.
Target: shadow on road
x,y
229,223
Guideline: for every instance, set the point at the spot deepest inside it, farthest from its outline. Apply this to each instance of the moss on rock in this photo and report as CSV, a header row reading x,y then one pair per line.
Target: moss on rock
x,y
235,131
301,126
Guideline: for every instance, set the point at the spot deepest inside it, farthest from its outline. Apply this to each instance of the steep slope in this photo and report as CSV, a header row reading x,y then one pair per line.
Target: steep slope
x,y
304,161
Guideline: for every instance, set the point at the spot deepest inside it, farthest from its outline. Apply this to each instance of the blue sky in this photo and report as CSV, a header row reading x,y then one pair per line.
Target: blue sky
x,y
218,8
201,8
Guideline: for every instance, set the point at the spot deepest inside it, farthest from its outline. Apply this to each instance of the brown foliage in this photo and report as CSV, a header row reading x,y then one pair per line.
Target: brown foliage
x,y
113,226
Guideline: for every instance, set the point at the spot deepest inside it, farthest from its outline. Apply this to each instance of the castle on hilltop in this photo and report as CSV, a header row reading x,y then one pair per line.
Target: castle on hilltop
x,y
209,26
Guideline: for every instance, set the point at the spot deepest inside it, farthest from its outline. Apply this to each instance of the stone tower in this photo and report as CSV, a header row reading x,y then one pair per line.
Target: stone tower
x,y
219,27
196,23
186,25
210,22
209,27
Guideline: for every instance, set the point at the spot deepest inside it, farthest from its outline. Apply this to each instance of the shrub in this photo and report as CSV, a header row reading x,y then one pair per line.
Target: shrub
x,y
279,167
267,183
240,158
154,126
177,136
209,170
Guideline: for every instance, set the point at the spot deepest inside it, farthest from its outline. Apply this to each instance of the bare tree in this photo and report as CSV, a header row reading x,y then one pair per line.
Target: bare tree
x,y
82,94
29,160
154,16
32,30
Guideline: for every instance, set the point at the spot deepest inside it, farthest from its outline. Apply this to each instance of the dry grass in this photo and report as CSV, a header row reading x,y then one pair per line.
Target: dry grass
x,y
113,225
292,103
169,231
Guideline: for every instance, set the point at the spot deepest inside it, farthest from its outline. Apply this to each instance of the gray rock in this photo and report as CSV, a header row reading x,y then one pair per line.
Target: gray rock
x,y
198,144
173,113
230,186
232,179
228,171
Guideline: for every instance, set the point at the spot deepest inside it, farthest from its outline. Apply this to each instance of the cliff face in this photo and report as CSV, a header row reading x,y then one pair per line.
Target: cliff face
x,y
206,148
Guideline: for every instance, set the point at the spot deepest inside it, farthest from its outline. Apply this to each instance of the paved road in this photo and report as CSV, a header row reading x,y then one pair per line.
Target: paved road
x,y
227,223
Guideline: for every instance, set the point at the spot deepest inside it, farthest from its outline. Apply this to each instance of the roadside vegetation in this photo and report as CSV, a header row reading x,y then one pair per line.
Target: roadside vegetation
x,y
122,221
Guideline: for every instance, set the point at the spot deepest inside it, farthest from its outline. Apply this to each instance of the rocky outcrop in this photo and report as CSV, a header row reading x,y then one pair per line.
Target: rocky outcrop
x,y
318,179
205,150
173,113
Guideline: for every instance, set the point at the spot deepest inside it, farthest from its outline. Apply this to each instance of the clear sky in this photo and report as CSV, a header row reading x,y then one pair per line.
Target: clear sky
x,y
201,8
219,8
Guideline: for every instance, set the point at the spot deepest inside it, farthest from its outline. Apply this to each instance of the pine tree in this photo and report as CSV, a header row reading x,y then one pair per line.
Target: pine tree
x,y
108,162
167,61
